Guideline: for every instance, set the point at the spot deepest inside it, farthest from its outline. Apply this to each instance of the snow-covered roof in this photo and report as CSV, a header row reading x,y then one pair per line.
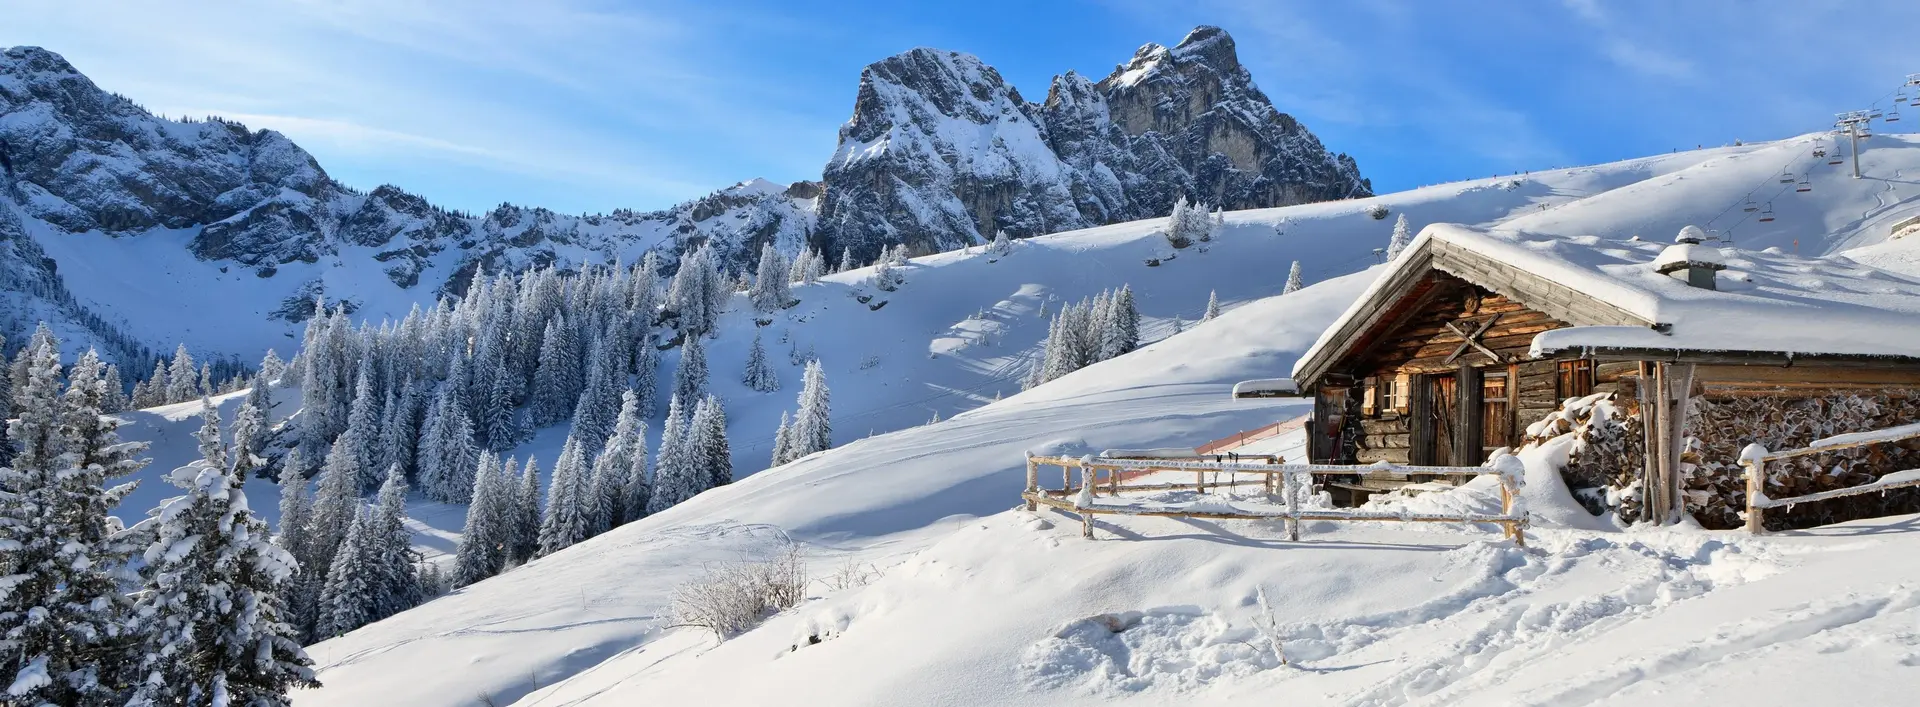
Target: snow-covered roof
x,y
1768,301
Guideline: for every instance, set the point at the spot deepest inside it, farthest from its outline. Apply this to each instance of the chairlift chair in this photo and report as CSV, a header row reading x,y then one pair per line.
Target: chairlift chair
x,y
1803,186
1786,178
1750,207
1767,214
1820,152
1893,115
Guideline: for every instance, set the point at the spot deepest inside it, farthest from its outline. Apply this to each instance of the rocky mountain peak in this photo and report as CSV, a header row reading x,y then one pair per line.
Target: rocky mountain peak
x,y
942,152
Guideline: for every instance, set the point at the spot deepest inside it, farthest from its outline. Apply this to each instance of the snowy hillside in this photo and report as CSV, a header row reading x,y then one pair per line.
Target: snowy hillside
x,y
245,228
978,605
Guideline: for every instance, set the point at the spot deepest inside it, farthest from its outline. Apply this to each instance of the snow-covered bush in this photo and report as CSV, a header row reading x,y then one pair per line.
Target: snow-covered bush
x,y
1378,212
731,598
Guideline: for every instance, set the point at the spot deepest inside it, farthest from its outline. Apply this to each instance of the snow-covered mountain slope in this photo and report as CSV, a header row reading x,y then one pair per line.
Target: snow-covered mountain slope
x,y
942,152
965,612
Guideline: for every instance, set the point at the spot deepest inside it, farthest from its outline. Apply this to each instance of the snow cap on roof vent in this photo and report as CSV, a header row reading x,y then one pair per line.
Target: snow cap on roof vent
x,y
1690,261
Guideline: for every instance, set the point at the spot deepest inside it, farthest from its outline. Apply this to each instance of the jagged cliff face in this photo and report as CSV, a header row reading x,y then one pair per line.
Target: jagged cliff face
x,y
941,151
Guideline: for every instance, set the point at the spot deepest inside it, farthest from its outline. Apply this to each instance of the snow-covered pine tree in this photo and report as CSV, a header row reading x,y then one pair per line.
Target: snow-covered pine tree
x,y
210,606
446,448
63,634
363,431
1123,334
1293,277
759,374
846,260
271,367
1001,246
593,416
334,505
1177,235
483,540
782,439
295,535
400,429
674,477
690,377
613,470
646,373
183,377
772,290
347,598
115,402
212,448
1213,307
707,440
1402,237
565,521
523,540
812,429
396,586
556,386
639,490
206,386
249,435
502,428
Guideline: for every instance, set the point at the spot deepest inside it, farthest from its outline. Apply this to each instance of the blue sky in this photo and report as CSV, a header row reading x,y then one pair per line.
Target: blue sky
x,y
588,106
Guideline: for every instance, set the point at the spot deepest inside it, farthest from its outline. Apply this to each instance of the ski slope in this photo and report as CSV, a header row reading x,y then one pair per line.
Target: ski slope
x,y
979,604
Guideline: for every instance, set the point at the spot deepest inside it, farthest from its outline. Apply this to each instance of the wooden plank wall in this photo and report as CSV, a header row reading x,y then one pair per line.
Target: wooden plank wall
x,y
1422,342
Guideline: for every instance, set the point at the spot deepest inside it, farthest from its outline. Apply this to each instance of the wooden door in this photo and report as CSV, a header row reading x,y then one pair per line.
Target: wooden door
x,y
1445,401
1495,425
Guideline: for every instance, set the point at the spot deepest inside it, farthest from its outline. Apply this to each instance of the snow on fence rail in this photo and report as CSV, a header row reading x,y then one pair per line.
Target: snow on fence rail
x,y
1755,458
1285,480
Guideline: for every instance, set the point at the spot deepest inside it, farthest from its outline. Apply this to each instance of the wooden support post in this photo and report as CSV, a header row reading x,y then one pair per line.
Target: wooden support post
x,y
1681,394
1066,477
1756,486
1657,503
1113,482
1200,482
1033,482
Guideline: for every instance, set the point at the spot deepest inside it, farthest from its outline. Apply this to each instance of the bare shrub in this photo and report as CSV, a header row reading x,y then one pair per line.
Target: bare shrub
x,y
731,598
850,574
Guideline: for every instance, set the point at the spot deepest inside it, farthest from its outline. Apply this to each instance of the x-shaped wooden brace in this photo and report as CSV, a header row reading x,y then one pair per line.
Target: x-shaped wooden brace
x,y
1473,339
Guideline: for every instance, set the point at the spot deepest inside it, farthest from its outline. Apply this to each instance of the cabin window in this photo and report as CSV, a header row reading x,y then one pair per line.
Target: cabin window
x,y
1493,410
1576,379
1393,393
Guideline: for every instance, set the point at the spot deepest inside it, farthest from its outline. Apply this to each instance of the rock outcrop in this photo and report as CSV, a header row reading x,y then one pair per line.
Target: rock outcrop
x,y
941,151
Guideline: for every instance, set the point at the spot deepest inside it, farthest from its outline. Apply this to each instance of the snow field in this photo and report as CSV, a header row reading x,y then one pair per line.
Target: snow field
x,y
979,605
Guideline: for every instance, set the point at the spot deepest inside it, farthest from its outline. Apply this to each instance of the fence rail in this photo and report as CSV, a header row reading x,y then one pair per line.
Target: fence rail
x,y
1289,481
1756,457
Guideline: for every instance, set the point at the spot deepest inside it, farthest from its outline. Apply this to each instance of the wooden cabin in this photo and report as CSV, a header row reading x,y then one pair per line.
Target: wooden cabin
x,y
1472,336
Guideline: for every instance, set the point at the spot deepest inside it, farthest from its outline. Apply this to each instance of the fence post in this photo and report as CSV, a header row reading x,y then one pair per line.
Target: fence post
x,y
1086,514
1756,479
1033,481
1293,506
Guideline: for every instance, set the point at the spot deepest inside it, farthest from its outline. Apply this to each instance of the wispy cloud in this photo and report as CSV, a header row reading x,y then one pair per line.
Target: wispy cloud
x,y
1625,51
624,105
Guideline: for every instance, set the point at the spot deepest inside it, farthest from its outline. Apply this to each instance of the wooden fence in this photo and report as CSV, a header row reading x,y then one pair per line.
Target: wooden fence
x,y
1111,477
1756,457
